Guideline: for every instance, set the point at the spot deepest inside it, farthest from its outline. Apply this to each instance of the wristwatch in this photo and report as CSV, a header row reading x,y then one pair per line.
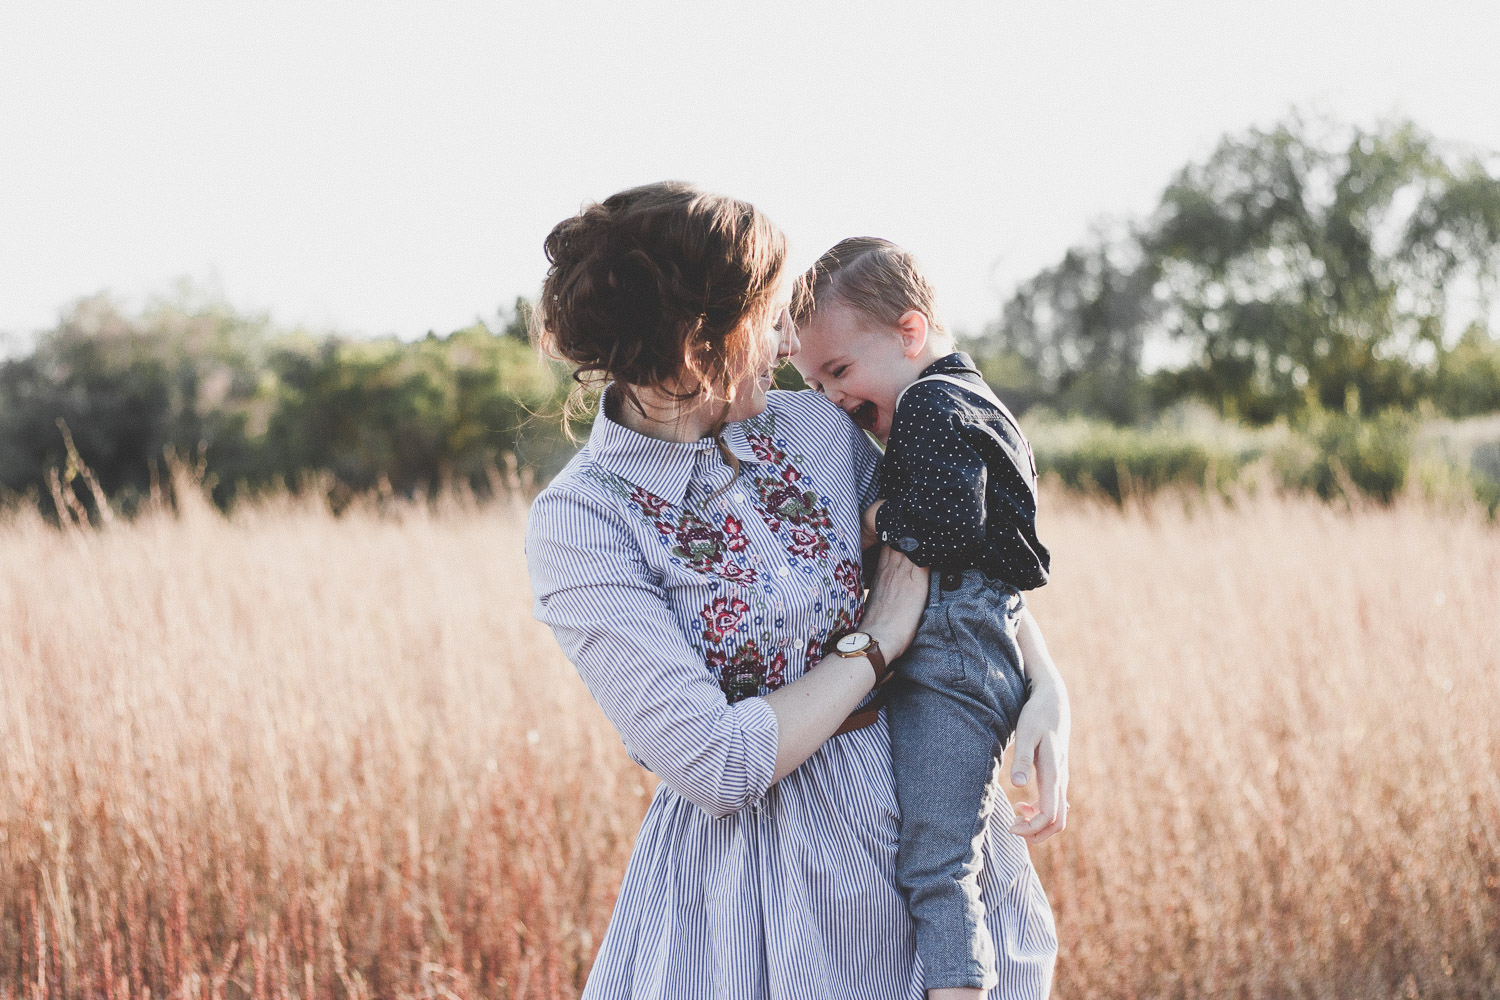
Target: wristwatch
x,y
853,644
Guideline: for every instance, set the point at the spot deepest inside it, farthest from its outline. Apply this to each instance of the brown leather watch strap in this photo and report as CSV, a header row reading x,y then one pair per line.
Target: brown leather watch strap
x,y
877,660
859,720
871,652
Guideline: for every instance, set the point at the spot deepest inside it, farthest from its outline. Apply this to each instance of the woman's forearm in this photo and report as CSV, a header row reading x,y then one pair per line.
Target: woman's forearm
x,y
810,709
1041,740
1036,661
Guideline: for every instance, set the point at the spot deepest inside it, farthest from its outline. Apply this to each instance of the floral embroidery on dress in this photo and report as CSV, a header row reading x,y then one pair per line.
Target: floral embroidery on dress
x,y
776,671
699,544
782,500
743,607
735,573
742,674
765,449
806,543
847,573
702,547
845,620
721,616
734,534
650,504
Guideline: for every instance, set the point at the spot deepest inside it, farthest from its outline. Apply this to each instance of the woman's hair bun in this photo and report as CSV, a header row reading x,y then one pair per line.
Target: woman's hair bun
x,y
656,286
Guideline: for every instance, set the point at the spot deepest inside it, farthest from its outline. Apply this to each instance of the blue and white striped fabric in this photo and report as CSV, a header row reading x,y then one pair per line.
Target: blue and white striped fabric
x,y
683,592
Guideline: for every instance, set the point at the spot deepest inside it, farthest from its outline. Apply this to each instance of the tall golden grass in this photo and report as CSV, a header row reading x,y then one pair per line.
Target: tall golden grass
x,y
285,754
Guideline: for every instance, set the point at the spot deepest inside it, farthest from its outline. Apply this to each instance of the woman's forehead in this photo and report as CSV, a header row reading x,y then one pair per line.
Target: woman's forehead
x,y
783,299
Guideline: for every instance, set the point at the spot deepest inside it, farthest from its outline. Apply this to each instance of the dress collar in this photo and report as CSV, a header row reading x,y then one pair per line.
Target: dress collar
x,y
663,468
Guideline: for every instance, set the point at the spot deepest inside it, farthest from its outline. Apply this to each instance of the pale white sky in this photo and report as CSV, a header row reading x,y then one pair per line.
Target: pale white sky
x,y
385,168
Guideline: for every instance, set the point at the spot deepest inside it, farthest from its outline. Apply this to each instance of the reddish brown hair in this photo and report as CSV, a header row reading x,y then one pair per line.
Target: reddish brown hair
x,y
661,286
875,276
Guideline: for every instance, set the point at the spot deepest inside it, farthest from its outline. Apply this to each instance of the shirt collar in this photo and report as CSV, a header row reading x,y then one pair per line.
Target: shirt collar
x,y
663,468
957,363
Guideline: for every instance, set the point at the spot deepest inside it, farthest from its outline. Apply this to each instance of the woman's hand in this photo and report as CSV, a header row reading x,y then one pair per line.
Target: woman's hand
x,y
898,596
810,708
1042,735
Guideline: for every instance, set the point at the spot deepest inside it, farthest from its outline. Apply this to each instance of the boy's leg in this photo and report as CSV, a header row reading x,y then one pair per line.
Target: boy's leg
x,y
950,719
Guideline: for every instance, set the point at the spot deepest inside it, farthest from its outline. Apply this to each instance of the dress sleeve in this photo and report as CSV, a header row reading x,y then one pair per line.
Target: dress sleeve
x,y
866,466
592,586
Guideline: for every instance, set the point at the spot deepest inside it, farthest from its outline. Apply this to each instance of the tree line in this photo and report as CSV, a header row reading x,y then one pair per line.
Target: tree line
x,y
255,408
1298,271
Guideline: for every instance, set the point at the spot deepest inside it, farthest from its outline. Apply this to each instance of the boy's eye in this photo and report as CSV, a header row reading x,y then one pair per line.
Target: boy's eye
x,y
839,371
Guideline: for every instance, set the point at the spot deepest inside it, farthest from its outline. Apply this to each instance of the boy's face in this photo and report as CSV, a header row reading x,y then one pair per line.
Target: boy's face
x,y
859,363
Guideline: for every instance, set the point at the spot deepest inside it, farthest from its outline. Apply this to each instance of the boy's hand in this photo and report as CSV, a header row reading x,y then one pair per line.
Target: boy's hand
x,y
867,534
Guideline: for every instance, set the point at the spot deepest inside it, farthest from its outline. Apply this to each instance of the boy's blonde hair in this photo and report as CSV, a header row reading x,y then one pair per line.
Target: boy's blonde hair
x,y
875,276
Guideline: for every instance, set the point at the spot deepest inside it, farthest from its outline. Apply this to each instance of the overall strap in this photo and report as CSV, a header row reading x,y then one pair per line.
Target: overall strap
x,y
984,392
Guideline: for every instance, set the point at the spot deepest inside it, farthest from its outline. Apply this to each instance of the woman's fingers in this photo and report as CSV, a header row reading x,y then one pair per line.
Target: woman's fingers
x,y
1035,723
897,597
1051,783
1020,767
1030,817
1049,815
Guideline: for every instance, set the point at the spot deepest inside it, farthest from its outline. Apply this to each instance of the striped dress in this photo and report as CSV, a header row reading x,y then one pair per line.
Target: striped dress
x,y
683,593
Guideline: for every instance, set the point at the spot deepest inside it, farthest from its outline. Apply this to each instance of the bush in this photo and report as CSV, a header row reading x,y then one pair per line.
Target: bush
x,y
1485,474
1467,381
1459,461
1334,456
1338,455
182,377
1122,461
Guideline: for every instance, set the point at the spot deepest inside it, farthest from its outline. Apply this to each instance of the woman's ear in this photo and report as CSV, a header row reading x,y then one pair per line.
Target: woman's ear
x,y
913,329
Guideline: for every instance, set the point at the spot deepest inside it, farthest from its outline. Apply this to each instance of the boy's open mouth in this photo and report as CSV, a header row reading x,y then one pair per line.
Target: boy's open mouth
x,y
864,415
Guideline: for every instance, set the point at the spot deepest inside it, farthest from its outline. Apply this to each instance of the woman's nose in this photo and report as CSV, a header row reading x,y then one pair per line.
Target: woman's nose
x,y
789,343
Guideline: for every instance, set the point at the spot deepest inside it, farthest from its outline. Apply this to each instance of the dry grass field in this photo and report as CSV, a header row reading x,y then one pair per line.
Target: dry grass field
x,y
292,755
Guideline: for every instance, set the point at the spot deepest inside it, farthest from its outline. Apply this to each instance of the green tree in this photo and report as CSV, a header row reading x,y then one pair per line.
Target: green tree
x,y
1298,269
1467,381
413,414
1303,275
1073,335
184,376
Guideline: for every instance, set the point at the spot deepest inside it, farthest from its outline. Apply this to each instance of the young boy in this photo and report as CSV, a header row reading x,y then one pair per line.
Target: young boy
x,y
957,494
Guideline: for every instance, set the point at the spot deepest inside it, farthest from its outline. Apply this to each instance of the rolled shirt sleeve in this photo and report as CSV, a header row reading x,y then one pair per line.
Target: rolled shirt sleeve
x,y
592,586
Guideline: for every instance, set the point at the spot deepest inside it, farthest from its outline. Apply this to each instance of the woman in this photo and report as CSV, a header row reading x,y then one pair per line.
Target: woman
x,y
695,560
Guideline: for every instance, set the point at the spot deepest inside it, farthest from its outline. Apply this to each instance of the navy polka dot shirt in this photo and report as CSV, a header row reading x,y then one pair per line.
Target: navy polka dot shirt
x,y
959,482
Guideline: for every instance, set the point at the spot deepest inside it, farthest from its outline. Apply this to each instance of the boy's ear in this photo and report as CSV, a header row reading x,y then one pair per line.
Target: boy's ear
x,y
913,329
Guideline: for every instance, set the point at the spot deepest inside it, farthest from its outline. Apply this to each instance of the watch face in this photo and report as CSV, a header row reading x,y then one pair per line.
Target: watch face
x,y
853,642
